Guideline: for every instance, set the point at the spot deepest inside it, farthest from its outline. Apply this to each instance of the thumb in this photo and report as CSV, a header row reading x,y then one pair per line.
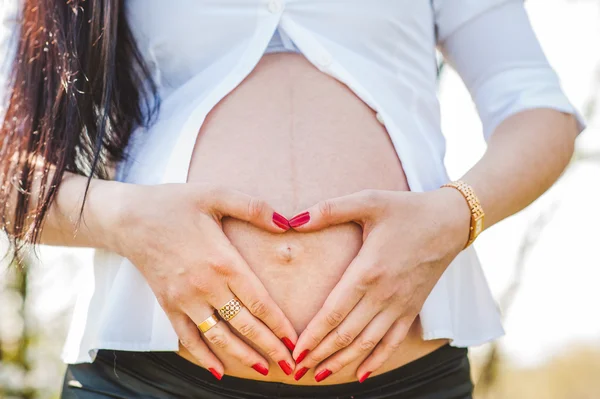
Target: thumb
x,y
257,211
355,207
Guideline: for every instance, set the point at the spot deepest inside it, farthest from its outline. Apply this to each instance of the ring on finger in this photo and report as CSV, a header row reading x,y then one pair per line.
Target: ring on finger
x,y
209,323
230,309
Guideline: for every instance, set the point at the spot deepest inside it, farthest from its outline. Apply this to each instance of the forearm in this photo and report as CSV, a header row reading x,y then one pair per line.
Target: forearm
x,y
526,154
63,225
95,227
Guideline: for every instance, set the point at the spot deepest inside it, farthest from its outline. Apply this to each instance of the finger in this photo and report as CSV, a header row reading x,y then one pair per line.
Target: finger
x,y
221,337
255,331
357,207
361,347
385,349
257,211
253,294
342,299
190,339
344,335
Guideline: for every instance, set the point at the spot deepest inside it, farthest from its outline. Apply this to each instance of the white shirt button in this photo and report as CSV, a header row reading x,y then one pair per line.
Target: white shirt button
x,y
324,60
275,6
380,118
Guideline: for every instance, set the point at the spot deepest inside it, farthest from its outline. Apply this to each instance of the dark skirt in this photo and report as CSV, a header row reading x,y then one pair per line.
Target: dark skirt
x,y
442,374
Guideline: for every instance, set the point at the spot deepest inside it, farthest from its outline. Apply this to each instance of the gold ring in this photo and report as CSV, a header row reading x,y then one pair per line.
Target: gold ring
x,y
209,323
230,309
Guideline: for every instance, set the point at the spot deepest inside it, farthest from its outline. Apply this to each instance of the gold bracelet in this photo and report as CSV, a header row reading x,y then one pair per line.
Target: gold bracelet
x,y
477,213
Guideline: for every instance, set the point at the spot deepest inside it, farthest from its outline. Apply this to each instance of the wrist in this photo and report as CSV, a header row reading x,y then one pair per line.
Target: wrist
x,y
454,216
112,207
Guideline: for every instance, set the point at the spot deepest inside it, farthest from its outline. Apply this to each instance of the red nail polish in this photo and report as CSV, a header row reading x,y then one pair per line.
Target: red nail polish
x,y
302,356
215,373
261,369
281,221
364,377
300,219
285,366
288,343
300,373
322,375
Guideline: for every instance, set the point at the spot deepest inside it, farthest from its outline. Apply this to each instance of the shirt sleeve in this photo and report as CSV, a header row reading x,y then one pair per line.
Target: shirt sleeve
x,y
492,46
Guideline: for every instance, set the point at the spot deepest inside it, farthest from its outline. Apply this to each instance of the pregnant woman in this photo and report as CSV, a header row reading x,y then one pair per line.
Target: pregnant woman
x,y
263,182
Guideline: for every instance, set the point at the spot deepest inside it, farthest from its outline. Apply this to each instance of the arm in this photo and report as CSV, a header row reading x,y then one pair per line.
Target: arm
x,y
525,156
528,123
411,238
172,234
102,213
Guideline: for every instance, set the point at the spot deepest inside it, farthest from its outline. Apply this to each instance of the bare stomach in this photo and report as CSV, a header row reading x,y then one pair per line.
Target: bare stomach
x,y
294,136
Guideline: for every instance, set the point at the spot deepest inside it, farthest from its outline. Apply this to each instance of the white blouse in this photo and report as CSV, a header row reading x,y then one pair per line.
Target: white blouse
x,y
384,50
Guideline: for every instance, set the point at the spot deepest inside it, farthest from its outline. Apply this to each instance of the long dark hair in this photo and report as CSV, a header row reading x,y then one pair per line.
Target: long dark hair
x,y
79,87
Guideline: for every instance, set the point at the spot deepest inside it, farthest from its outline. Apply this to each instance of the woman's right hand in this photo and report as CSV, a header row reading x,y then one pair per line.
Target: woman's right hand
x,y
172,233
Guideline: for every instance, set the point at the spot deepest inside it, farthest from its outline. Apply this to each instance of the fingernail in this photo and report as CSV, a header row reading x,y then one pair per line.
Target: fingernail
x,y
280,221
300,373
285,366
364,377
261,369
302,356
300,219
288,343
215,373
322,375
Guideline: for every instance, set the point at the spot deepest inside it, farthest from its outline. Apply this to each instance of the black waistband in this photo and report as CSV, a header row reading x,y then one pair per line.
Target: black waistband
x,y
443,374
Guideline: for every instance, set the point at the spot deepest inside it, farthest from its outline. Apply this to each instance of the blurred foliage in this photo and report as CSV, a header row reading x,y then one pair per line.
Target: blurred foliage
x,y
30,366
14,344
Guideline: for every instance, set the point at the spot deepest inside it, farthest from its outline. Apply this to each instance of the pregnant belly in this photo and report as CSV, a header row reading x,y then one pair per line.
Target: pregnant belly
x,y
294,136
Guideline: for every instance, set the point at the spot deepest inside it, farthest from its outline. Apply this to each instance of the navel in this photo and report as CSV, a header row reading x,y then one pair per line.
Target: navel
x,y
286,253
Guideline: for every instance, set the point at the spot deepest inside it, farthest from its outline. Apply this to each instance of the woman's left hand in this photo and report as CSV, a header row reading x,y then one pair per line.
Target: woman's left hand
x,y
409,239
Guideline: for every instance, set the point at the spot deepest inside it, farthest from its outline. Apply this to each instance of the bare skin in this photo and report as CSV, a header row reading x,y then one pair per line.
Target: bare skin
x,y
194,266
295,136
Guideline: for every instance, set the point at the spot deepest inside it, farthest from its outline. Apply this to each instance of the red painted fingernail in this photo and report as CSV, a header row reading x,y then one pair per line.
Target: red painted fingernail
x,y
300,373
261,369
300,219
281,221
302,356
215,373
364,377
285,366
322,375
288,343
